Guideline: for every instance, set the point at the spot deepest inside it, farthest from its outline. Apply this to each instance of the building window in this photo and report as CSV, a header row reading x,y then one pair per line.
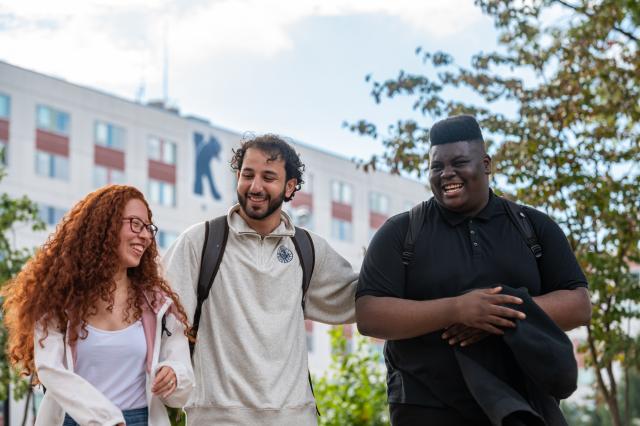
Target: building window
x,y
347,333
164,239
308,328
106,175
50,215
408,205
109,135
300,209
162,150
162,171
341,192
378,348
341,211
379,207
378,203
5,106
162,193
52,120
5,112
341,229
301,216
52,165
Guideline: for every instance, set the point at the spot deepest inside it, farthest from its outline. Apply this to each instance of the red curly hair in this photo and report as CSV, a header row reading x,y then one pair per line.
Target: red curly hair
x,y
74,269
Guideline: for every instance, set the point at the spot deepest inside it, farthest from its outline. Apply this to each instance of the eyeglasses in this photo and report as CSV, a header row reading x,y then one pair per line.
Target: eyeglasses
x,y
137,225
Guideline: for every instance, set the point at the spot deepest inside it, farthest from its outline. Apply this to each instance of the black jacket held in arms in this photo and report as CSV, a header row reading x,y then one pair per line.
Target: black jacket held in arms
x,y
545,356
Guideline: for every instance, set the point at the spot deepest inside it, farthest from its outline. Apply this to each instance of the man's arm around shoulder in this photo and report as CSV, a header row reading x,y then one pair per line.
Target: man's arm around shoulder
x,y
331,293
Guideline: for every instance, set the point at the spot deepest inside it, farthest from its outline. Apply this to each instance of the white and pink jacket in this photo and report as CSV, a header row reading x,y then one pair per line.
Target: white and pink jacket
x,y
69,393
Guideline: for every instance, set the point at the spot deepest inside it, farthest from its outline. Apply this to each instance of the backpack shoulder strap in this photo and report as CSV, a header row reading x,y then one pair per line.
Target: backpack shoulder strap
x,y
215,240
416,220
306,253
516,213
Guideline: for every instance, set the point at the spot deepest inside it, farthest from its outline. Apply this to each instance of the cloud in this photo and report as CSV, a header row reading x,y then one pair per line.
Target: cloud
x,y
436,19
261,27
109,41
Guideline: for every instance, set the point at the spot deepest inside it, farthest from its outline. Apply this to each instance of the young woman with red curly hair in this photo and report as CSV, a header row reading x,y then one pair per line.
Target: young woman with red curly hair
x,y
91,317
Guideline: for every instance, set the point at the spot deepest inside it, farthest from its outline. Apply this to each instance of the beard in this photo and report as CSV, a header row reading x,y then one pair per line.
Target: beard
x,y
273,204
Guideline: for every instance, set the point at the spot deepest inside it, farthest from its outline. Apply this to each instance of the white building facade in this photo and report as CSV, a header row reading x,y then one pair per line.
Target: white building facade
x,y
62,141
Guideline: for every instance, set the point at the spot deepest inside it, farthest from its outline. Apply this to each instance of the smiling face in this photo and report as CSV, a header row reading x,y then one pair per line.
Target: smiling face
x,y
458,175
133,245
262,185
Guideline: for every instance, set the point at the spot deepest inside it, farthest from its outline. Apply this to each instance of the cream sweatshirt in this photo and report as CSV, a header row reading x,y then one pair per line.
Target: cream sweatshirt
x,y
250,359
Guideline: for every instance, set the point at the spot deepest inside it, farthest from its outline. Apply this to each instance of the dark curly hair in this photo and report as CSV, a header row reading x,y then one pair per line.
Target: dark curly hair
x,y
74,269
276,148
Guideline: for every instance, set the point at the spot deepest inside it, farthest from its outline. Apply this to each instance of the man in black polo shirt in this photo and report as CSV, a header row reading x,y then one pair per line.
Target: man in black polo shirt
x,y
453,295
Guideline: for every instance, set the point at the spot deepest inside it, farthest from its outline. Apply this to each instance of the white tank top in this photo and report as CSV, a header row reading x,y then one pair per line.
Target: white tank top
x,y
114,363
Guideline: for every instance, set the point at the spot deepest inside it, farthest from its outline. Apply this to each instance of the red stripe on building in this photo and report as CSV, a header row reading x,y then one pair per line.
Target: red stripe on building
x,y
578,355
348,331
308,326
52,143
341,211
376,220
302,199
4,130
108,157
162,171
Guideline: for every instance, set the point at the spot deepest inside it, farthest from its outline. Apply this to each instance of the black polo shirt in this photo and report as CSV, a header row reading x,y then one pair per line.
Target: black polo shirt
x,y
454,254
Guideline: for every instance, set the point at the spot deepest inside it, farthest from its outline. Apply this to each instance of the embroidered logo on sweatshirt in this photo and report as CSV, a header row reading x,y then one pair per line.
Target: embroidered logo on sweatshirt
x,y
284,254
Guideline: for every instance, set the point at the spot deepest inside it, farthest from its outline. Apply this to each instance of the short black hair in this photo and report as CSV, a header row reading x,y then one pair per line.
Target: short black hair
x,y
457,128
277,148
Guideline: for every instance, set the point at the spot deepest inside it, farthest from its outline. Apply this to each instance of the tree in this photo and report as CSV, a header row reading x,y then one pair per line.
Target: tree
x,y
570,147
598,415
13,212
353,391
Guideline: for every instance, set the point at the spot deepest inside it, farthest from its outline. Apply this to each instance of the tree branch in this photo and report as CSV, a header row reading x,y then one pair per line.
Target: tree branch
x,y
596,365
591,15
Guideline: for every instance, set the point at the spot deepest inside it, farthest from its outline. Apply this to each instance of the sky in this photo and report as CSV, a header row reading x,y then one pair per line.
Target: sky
x,y
292,67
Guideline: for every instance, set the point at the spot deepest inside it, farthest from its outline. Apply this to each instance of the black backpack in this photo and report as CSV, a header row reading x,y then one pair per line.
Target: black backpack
x,y
515,211
215,241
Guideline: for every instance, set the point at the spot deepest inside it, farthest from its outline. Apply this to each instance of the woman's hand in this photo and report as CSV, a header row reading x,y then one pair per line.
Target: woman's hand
x,y
165,382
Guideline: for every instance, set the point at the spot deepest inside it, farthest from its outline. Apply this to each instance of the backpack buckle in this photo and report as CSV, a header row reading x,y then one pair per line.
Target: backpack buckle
x,y
407,257
536,249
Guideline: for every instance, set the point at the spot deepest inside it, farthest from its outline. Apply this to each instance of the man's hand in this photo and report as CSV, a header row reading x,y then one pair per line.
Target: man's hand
x,y
465,335
482,309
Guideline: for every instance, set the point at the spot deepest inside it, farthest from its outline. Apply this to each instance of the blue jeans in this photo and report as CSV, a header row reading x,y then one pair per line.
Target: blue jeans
x,y
135,417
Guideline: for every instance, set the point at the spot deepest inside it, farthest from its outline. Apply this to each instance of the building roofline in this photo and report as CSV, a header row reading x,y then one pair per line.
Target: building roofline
x,y
194,118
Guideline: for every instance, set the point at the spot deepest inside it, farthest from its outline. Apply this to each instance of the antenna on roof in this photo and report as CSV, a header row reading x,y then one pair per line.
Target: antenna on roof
x,y
165,67
140,92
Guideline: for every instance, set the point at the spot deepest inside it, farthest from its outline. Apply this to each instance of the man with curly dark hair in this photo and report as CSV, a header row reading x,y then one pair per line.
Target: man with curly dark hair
x,y
275,149
250,356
